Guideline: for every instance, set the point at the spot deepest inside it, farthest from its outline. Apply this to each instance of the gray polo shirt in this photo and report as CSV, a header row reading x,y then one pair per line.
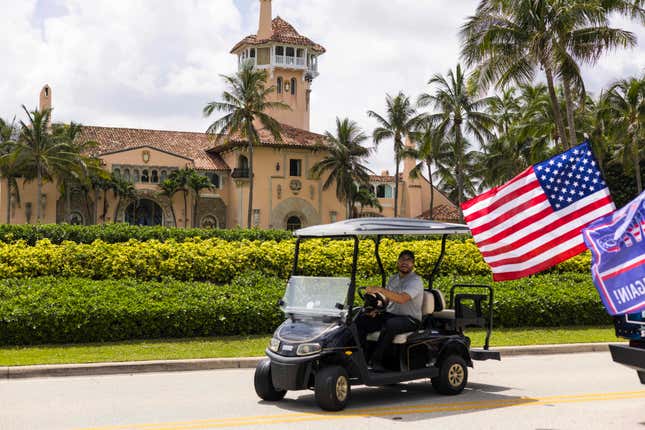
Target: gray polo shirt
x,y
413,286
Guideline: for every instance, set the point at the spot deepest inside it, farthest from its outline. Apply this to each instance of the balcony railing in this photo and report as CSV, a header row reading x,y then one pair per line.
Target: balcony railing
x,y
240,173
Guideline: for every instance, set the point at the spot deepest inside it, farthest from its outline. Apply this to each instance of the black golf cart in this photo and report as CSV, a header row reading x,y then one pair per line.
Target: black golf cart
x,y
317,347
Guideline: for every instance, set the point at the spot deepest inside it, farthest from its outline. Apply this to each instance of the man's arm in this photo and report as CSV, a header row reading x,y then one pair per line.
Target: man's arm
x,y
399,298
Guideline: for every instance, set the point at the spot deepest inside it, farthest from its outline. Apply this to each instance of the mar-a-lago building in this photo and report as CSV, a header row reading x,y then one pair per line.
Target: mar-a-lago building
x,y
285,194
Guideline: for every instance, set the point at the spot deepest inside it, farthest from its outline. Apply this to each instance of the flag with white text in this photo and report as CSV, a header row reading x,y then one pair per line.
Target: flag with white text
x,y
617,244
534,221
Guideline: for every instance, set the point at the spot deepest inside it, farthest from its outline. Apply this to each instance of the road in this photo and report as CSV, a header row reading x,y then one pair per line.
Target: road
x,y
569,391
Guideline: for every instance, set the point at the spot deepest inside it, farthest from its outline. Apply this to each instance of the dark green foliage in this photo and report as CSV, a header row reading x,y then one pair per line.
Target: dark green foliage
x,y
114,233
621,185
550,300
56,310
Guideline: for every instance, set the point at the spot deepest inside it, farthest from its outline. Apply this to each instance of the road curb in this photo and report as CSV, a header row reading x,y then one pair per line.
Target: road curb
x,y
131,367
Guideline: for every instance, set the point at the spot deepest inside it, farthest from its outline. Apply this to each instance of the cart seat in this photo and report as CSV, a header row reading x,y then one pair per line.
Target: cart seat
x,y
427,308
444,313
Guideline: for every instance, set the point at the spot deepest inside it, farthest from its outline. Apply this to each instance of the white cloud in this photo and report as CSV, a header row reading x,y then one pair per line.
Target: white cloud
x,y
154,64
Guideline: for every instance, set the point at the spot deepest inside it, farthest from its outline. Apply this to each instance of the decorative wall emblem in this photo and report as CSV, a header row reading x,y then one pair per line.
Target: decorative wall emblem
x,y
146,156
295,185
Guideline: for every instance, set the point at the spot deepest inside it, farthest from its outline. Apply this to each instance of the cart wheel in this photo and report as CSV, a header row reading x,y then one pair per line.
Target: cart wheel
x,y
332,389
264,385
453,376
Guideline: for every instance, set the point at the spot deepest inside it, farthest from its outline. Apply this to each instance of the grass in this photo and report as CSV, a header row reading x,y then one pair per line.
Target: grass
x,y
250,346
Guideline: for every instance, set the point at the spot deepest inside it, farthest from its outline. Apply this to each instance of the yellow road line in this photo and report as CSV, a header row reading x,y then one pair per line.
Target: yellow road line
x,y
379,411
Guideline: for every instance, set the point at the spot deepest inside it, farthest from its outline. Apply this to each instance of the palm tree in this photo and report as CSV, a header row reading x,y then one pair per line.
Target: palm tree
x,y
180,178
245,102
43,153
364,197
458,113
82,166
509,39
463,185
10,162
169,188
123,190
399,122
626,109
197,182
428,147
344,161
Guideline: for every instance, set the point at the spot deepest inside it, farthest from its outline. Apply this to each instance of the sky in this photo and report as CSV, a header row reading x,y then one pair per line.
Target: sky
x,y
156,63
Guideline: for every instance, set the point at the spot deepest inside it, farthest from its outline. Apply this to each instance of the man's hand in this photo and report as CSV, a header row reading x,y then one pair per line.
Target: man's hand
x,y
374,290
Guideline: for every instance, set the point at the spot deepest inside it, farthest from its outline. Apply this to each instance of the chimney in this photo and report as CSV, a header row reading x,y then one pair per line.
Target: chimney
x,y
265,31
45,101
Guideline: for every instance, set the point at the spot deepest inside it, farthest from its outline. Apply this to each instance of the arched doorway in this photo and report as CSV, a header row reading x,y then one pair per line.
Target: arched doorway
x,y
293,223
144,212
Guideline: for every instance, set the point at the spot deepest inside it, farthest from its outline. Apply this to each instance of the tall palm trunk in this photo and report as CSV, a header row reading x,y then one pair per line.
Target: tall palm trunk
x,y
39,194
185,208
195,206
637,165
429,163
68,201
104,214
570,119
251,136
458,171
397,145
9,180
557,115
96,206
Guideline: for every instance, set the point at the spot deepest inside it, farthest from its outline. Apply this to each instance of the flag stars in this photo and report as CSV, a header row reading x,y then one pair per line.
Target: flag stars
x,y
551,162
543,177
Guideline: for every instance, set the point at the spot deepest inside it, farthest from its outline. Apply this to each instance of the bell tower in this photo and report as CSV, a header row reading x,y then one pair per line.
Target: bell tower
x,y
291,62
45,101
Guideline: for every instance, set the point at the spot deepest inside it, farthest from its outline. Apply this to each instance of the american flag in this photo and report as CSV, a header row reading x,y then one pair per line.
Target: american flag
x,y
534,221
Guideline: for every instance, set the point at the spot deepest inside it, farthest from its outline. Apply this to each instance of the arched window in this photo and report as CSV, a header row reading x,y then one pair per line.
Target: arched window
x,y
126,174
214,178
136,175
164,175
117,172
293,86
293,223
144,176
279,85
242,162
154,177
76,218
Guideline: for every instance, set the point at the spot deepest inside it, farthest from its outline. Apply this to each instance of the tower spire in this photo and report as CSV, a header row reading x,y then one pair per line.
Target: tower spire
x,y
264,29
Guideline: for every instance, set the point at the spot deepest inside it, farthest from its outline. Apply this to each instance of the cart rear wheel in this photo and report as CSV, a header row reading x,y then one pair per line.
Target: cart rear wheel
x,y
453,376
332,389
264,384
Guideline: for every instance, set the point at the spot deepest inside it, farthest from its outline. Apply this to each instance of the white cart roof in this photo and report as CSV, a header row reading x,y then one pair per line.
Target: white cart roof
x,y
381,226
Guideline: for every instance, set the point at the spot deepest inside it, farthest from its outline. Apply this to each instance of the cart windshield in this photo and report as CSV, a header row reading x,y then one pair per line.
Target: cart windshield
x,y
312,295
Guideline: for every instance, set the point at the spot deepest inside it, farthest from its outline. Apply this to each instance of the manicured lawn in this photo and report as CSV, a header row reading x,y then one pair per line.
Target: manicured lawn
x,y
250,346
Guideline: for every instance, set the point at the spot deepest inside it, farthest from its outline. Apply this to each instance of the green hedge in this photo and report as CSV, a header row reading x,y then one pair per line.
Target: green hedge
x,y
56,310
114,233
218,260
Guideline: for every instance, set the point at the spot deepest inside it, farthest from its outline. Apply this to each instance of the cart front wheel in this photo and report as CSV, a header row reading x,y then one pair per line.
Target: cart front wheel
x,y
332,389
264,384
453,376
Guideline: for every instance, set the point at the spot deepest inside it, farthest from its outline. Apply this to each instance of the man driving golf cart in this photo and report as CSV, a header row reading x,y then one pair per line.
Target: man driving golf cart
x,y
319,346
404,298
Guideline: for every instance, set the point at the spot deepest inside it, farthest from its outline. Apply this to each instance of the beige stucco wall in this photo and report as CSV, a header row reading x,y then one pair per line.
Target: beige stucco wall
x,y
298,116
28,195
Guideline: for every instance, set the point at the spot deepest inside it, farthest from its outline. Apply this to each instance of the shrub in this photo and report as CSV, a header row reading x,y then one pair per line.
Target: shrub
x,y
58,310
53,310
218,260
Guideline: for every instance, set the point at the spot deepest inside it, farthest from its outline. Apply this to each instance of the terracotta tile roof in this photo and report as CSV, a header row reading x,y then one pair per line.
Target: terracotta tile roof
x,y
291,137
282,32
441,213
185,144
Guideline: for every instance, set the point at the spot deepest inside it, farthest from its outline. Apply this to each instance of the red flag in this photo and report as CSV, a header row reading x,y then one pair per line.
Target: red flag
x,y
534,221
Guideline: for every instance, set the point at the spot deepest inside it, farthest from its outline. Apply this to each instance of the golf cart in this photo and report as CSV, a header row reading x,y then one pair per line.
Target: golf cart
x,y
318,348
